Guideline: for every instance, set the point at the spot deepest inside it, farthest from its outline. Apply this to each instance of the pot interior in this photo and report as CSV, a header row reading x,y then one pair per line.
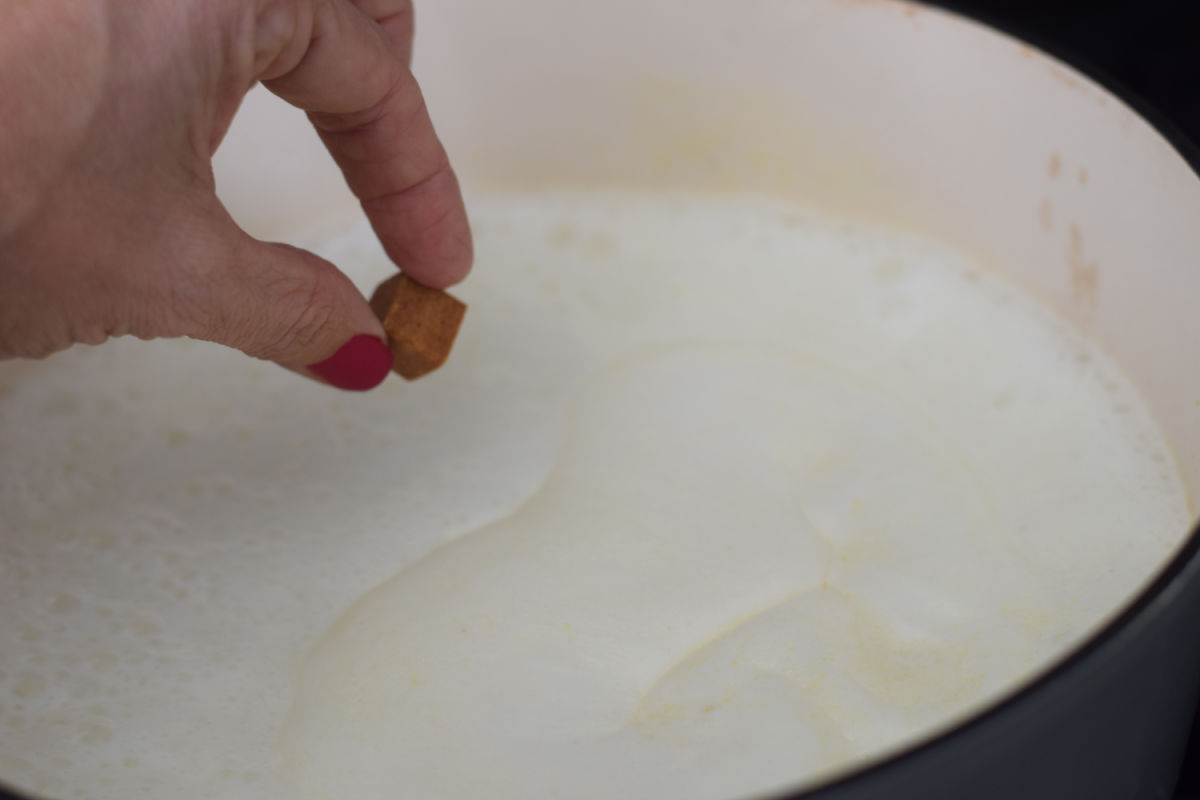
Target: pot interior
x,y
886,110
904,117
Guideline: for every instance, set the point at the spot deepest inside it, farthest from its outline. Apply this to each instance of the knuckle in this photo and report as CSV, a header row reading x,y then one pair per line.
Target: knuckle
x,y
186,307
310,302
282,30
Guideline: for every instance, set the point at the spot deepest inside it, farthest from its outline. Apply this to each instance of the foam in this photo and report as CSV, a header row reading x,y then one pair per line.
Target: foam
x,y
938,488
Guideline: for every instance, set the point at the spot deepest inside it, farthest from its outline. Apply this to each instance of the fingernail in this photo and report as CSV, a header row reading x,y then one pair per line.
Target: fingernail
x,y
360,364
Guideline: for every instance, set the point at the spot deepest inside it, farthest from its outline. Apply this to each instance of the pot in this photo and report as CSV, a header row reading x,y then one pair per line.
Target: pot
x,y
886,110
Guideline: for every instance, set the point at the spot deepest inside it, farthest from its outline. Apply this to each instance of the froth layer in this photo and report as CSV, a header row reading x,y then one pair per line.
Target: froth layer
x,y
933,488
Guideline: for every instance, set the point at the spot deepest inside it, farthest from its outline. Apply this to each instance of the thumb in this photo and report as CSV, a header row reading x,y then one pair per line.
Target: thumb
x,y
282,304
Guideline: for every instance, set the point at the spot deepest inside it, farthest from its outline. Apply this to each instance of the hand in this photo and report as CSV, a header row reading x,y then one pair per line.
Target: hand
x,y
110,111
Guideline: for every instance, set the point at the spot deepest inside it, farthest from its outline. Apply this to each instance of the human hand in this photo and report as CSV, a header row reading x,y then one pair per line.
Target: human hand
x,y
110,111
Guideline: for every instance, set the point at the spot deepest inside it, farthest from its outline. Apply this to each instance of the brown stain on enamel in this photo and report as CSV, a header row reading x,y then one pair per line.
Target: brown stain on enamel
x,y
1054,168
1065,78
1083,276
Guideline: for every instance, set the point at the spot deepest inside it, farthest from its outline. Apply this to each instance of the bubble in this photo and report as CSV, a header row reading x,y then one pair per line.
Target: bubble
x,y
560,234
29,685
64,603
177,437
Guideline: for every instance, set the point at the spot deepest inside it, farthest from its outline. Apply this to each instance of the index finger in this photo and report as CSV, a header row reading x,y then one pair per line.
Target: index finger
x,y
396,19
354,81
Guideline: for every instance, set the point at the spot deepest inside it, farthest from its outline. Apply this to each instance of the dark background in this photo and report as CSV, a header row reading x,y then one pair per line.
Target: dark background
x,y
1150,48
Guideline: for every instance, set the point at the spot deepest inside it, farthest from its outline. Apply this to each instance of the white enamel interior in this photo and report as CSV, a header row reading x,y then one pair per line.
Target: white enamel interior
x,y
875,108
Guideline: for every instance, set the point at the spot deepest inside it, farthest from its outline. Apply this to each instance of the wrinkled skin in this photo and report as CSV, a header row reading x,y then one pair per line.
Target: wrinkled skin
x,y
110,111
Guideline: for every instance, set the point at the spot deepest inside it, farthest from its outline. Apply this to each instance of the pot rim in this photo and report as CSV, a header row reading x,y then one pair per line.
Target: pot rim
x,y
1143,603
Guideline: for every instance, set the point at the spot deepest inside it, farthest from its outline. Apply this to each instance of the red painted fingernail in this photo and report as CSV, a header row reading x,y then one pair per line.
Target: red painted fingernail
x,y
360,364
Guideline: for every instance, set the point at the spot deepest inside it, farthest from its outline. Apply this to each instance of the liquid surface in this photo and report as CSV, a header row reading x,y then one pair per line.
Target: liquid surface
x,y
715,496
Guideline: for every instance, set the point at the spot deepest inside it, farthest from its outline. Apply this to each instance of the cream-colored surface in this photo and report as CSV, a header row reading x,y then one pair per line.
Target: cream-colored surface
x,y
678,433
829,488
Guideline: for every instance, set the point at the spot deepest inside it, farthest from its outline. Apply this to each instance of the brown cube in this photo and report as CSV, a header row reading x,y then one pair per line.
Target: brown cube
x,y
420,322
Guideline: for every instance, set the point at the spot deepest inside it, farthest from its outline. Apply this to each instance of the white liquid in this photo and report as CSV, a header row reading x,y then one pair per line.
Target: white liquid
x,y
730,497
